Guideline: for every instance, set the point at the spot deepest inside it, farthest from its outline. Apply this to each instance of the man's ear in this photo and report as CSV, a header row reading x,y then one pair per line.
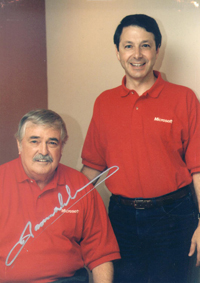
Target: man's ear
x,y
19,146
63,145
157,51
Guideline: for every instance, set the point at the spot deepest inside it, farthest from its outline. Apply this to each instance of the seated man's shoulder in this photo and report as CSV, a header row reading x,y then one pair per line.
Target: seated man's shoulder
x,y
10,165
75,180
72,173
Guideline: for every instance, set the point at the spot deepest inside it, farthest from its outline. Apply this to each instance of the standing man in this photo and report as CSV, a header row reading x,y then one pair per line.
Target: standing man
x,y
150,129
52,222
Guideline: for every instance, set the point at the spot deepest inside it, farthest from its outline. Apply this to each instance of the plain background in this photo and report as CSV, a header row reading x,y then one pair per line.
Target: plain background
x,y
81,59
23,68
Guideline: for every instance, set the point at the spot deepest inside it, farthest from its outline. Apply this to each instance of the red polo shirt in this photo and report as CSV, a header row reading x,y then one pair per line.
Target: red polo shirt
x,y
42,239
154,139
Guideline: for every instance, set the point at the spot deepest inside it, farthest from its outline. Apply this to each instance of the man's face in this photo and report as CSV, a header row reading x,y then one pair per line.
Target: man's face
x,y
137,53
40,150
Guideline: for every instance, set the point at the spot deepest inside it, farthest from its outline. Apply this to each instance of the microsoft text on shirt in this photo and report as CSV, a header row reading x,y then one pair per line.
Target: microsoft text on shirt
x,y
163,120
69,211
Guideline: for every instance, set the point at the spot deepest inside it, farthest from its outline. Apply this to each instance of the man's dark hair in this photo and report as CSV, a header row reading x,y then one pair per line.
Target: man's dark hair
x,y
140,20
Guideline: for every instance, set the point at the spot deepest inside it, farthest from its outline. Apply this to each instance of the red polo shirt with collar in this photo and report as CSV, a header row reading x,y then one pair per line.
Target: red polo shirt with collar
x,y
154,139
49,234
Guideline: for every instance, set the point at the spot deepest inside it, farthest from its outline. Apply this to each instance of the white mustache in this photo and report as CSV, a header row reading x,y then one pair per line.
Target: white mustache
x,y
44,158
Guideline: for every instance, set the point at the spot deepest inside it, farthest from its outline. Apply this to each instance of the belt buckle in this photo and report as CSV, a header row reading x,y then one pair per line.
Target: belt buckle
x,y
138,204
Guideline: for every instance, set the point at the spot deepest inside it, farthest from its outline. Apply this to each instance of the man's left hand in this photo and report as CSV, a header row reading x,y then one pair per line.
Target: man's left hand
x,y
195,244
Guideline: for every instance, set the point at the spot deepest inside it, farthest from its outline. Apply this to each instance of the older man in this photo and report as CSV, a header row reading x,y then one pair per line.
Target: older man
x,y
52,221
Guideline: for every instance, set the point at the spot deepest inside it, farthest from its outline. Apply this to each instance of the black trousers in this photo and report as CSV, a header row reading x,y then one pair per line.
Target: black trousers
x,y
155,242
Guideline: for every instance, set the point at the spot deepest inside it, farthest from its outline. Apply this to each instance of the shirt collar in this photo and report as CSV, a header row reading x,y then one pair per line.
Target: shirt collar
x,y
20,173
154,91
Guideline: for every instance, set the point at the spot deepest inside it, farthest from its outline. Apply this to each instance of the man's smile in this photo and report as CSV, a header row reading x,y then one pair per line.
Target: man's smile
x,y
137,64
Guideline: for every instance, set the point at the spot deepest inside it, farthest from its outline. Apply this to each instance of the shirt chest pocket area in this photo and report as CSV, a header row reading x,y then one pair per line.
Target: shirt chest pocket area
x,y
66,224
167,131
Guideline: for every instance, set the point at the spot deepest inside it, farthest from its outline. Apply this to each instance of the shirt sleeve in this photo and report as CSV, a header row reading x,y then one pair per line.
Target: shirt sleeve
x,y
99,244
192,154
93,153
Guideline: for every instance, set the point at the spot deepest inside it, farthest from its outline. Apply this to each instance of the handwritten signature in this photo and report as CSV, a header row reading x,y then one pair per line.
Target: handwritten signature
x,y
27,232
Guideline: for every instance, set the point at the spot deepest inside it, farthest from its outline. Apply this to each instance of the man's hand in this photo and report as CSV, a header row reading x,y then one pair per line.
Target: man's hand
x,y
195,244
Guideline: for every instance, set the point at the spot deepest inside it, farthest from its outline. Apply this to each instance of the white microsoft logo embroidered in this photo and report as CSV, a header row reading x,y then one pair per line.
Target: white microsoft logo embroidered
x,y
163,120
69,211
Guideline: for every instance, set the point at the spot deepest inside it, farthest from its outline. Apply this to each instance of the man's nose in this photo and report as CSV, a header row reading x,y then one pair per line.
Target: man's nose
x,y
43,149
137,53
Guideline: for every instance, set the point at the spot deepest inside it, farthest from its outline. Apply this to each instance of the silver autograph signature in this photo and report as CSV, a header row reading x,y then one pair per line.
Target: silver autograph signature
x,y
27,232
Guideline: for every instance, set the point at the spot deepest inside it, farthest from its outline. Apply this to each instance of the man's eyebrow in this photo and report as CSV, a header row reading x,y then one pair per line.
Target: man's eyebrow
x,y
34,137
54,139
128,41
147,40
131,42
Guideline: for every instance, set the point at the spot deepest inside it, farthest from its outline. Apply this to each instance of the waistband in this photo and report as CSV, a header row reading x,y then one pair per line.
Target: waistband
x,y
81,276
141,203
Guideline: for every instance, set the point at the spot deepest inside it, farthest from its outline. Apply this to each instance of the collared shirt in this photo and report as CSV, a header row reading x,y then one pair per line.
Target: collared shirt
x,y
48,234
154,139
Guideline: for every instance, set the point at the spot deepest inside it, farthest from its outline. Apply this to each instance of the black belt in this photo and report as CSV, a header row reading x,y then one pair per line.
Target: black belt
x,y
153,202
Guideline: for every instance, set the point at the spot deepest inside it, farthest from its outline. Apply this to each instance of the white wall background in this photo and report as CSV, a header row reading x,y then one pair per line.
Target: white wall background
x,y
82,62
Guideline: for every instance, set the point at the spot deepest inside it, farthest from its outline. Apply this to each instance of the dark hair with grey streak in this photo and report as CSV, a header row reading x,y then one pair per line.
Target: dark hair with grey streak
x,y
140,20
43,117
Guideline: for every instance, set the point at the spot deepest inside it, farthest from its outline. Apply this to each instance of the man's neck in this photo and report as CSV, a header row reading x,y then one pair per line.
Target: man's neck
x,y
41,184
140,86
42,181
